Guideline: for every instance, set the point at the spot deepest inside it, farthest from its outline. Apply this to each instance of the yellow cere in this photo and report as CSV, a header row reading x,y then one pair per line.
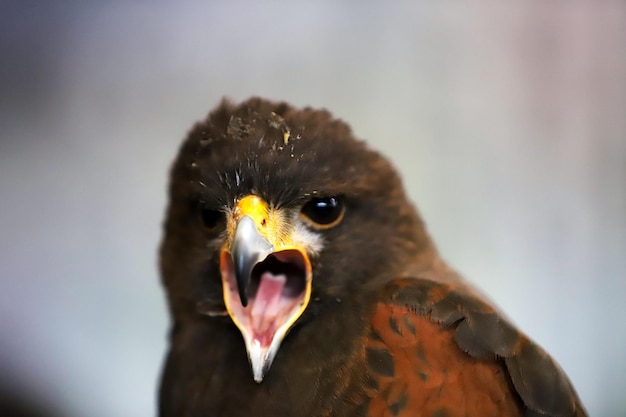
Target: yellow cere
x,y
270,223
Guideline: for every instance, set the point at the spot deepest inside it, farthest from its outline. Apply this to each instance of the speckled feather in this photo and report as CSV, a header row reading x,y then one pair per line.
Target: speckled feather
x,y
390,330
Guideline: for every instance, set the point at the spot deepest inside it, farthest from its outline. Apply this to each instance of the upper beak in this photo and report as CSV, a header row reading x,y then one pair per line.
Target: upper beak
x,y
249,248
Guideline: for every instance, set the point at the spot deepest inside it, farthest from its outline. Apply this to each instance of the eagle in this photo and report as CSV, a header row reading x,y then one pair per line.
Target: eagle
x,y
301,281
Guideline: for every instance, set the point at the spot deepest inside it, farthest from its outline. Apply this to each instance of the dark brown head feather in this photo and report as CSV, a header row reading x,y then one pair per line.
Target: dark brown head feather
x,y
286,156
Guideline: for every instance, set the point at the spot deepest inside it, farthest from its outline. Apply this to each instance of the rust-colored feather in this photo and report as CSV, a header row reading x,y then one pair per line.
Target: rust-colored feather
x,y
468,364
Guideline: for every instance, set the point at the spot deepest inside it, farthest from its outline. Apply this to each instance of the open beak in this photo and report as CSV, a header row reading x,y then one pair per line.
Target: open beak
x,y
265,278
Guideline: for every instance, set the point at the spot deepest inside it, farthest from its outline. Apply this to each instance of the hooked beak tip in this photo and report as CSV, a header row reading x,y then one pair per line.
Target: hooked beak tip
x,y
243,296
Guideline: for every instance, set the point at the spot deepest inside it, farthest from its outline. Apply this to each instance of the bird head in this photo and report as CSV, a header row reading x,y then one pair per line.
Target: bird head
x,y
271,207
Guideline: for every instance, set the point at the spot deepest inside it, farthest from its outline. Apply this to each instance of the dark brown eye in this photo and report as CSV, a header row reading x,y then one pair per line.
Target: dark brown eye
x,y
212,218
323,212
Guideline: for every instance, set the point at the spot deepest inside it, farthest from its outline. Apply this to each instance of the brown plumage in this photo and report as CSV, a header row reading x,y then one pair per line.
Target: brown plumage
x,y
301,282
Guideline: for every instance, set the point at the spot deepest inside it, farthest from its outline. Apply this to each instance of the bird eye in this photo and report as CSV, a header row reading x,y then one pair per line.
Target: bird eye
x,y
323,212
211,218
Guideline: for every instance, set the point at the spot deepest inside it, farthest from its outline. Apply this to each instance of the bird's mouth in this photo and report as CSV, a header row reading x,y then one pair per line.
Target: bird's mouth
x,y
276,293
266,280
265,289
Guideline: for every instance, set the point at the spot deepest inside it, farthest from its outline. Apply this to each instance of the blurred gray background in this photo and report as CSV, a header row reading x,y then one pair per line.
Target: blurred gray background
x,y
508,123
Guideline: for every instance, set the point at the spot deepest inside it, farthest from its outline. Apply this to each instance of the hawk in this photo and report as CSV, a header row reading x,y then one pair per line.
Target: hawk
x,y
301,281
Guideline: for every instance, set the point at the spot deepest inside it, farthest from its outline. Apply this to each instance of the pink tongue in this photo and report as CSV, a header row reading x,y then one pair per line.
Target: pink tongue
x,y
266,305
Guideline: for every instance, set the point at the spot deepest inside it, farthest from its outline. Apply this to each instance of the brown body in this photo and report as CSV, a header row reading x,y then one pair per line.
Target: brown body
x,y
389,330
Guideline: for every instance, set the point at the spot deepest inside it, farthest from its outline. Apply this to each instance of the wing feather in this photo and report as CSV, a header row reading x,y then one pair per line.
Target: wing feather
x,y
446,337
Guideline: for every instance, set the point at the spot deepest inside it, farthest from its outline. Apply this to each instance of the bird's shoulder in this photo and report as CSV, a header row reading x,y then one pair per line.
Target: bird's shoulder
x,y
440,347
